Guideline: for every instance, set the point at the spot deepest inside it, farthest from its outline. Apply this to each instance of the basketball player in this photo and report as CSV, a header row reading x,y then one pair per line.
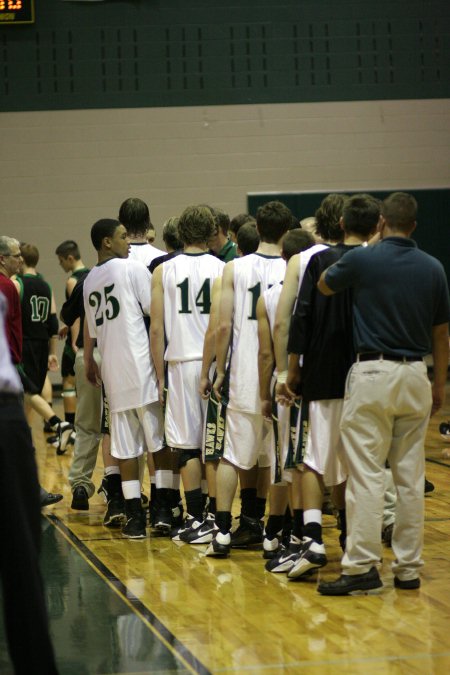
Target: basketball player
x,y
116,298
244,280
181,301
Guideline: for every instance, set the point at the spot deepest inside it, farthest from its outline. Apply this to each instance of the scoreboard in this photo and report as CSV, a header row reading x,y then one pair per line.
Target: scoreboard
x,y
14,12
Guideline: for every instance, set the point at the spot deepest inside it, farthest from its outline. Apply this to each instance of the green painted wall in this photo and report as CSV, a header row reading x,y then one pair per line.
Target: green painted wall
x,y
146,53
433,229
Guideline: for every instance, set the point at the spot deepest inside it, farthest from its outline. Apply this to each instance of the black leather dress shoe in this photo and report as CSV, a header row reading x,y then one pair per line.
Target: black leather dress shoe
x,y
347,584
80,499
48,498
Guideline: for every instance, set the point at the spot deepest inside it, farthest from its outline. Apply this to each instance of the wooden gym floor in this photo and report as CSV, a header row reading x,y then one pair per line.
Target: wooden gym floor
x,y
119,606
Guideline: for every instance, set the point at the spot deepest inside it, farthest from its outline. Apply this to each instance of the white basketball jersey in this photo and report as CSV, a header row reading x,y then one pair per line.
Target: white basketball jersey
x,y
187,281
116,298
253,275
271,298
145,253
304,258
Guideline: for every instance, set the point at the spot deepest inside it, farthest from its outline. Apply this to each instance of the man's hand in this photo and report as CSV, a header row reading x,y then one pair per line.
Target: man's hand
x,y
282,396
63,332
217,386
93,373
266,410
52,363
205,388
438,394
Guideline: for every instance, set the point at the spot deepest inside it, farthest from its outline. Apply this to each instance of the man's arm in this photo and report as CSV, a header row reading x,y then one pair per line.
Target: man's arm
x,y
157,345
209,344
266,358
223,336
284,311
52,324
439,338
322,285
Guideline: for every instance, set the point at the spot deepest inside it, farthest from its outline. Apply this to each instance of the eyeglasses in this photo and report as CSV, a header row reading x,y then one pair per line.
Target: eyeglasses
x,y
12,255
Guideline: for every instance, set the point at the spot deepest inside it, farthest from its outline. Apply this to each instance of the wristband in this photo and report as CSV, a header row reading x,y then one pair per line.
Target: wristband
x,y
282,377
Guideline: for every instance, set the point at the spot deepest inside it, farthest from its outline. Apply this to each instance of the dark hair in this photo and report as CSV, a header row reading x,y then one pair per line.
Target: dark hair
x,y
328,216
295,223
222,219
400,211
135,216
296,241
273,219
239,220
30,254
68,247
247,238
170,234
101,229
196,225
361,214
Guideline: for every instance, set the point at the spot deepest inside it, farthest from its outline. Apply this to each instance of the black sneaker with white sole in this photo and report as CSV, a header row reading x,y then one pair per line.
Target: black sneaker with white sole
x,y
134,528
312,556
185,525
220,545
115,513
64,431
272,547
284,560
162,520
248,533
200,533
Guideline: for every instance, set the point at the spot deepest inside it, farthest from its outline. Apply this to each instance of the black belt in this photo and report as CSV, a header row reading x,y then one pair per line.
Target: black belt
x,y
9,398
377,356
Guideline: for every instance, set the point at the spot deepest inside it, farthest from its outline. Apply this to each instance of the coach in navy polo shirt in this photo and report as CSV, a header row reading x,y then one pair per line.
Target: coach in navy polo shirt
x,y
401,313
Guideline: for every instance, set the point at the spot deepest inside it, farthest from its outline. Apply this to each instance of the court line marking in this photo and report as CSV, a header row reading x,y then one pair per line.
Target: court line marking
x,y
336,662
163,634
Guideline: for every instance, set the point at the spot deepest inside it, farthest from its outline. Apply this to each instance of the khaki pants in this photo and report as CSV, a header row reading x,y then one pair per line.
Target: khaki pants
x,y
386,411
87,426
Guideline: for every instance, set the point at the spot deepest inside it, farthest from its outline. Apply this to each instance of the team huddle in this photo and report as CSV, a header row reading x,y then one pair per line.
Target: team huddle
x,y
289,363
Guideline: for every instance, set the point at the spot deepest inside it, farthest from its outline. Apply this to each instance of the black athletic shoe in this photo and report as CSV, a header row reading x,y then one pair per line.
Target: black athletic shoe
x,y
429,486
49,498
115,514
249,533
177,516
134,528
200,533
80,499
64,431
407,584
47,427
284,560
352,584
185,525
162,519
220,546
312,556
272,547
444,430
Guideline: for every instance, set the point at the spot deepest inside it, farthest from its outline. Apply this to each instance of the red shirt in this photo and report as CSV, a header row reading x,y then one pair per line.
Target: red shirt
x,y
13,319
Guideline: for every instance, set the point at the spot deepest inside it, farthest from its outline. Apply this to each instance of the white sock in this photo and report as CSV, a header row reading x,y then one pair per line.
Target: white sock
x,y
131,489
112,470
312,516
163,478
